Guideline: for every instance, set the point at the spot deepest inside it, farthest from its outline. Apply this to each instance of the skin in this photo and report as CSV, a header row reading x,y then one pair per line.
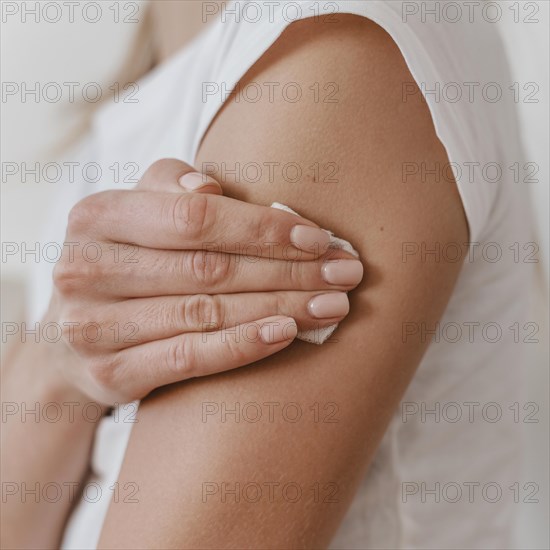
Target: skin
x,y
37,373
178,21
179,458
175,291
177,286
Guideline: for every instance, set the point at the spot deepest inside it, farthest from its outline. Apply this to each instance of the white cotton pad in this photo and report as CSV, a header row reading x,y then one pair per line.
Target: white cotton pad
x,y
320,335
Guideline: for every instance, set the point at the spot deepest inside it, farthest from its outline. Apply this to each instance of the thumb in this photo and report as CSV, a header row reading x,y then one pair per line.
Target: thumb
x,y
175,176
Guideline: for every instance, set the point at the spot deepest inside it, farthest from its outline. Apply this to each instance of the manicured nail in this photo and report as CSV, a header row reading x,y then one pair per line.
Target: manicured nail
x,y
310,239
281,329
326,306
342,272
193,181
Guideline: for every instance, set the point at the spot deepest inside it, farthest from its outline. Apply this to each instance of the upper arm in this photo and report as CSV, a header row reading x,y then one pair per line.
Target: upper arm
x,y
175,455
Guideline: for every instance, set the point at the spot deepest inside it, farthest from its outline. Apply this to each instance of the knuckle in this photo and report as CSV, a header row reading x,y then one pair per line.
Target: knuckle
x,y
69,334
87,211
237,350
190,215
209,269
79,343
278,303
63,276
83,335
104,371
79,216
70,277
294,273
179,358
67,277
271,229
72,317
203,310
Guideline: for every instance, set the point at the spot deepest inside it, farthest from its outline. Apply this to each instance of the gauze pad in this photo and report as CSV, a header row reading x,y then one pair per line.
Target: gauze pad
x,y
320,335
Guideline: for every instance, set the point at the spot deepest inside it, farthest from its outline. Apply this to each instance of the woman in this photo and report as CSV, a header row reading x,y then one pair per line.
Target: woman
x,y
374,120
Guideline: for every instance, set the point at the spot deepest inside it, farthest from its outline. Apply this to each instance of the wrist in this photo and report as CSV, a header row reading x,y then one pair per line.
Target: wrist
x,y
40,372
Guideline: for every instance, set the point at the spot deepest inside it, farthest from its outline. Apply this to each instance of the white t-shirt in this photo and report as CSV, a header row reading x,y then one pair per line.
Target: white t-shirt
x,y
444,473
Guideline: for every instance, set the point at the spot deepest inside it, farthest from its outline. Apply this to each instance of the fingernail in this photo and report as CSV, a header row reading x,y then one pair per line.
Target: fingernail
x,y
282,329
310,239
342,272
326,306
193,181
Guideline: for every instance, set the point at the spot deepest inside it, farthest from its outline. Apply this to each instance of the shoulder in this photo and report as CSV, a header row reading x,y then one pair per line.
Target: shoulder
x,y
328,97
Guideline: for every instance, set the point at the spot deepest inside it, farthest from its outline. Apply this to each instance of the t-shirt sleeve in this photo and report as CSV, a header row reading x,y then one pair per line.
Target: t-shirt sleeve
x,y
443,60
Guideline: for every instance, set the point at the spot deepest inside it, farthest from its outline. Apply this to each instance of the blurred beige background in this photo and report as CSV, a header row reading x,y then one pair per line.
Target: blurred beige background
x,y
80,51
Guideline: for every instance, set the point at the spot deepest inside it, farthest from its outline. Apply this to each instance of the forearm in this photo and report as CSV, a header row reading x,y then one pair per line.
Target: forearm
x,y
47,432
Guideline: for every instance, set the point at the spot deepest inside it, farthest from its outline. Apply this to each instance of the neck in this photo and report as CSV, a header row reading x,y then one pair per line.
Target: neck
x,y
176,22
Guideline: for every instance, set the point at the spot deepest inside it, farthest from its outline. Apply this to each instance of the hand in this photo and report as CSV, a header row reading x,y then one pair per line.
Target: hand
x,y
209,283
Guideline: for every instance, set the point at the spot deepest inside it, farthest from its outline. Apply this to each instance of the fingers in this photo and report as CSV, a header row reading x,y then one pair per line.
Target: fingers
x,y
191,355
175,176
191,221
148,319
165,273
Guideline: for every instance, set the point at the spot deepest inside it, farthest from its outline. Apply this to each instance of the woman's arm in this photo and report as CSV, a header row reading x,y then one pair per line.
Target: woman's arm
x,y
165,302
47,432
211,474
